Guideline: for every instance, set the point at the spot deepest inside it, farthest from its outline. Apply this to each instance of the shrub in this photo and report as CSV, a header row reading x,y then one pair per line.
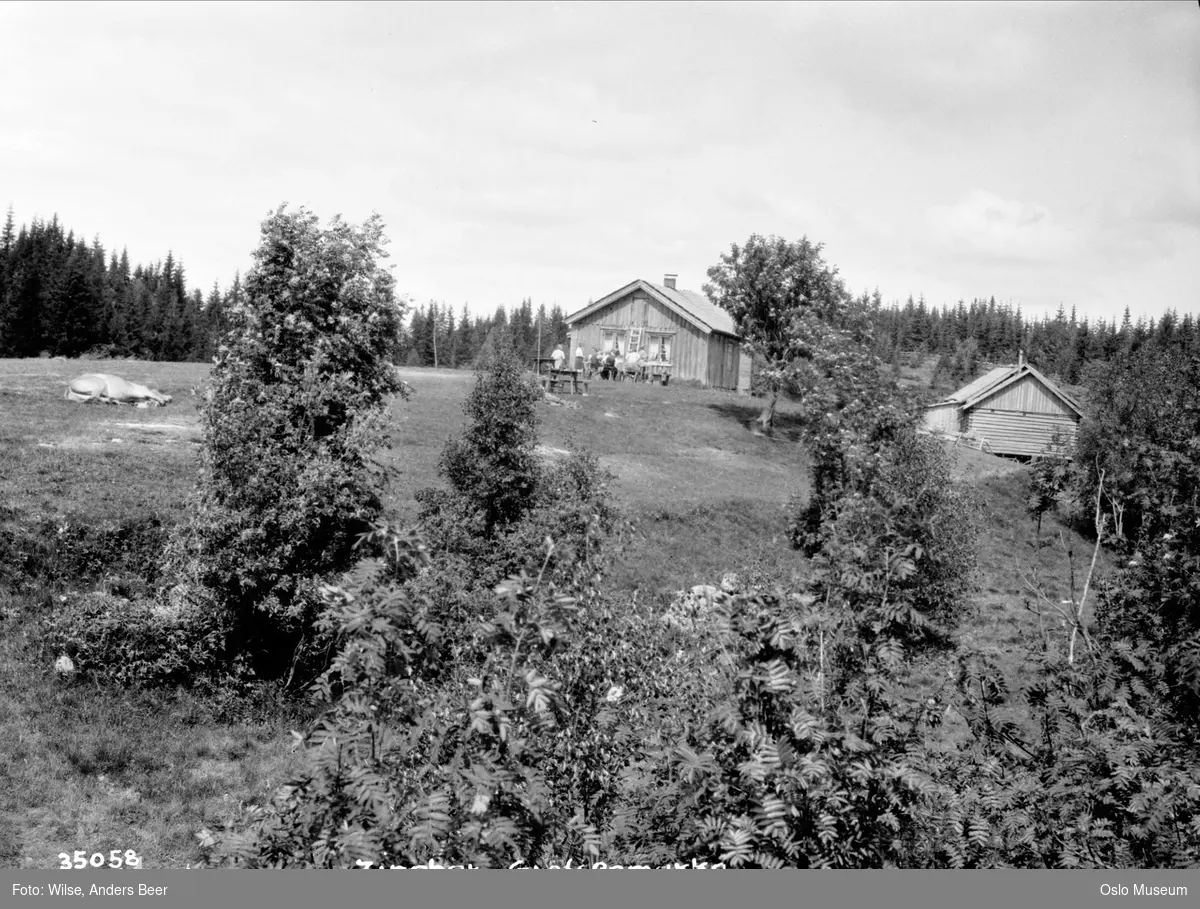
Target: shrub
x,y
71,550
893,529
1099,782
1140,425
412,761
809,763
286,482
1139,469
1049,478
903,543
129,642
492,465
503,502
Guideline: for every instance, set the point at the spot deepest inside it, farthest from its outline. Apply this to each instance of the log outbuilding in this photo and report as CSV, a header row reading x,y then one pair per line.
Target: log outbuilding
x,y
1014,409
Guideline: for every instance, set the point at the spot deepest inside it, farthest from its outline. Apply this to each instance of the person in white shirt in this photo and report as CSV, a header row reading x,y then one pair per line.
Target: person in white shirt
x,y
579,357
558,356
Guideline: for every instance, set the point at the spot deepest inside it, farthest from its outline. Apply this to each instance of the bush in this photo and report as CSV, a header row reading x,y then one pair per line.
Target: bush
x,y
492,465
1138,473
287,482
893,530
71,550
129,642
1140,425
904,542
1049,477
503,502
412,760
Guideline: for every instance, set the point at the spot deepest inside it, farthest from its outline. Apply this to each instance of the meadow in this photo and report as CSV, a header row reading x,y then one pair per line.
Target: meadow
x,y
89,492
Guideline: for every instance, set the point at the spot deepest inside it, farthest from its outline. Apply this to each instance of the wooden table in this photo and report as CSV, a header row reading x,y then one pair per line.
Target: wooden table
x,y
561,378
654,370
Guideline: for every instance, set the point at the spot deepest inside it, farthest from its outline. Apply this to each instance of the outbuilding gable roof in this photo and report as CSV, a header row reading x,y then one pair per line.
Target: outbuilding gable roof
x,y
693,306
996,380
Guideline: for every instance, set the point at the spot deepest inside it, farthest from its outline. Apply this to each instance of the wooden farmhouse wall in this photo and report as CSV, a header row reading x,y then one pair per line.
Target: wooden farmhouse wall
x,y
745,373
690,348
724,356
1021,418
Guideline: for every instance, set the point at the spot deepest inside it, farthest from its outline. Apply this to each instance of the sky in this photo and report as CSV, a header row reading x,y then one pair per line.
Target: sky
x,y
1044,154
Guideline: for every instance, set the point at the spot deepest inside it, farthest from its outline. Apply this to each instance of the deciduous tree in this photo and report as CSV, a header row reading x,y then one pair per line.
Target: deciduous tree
x,y
767,285
299,387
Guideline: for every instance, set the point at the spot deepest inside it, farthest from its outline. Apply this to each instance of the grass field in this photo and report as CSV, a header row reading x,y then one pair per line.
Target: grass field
x,y
93,769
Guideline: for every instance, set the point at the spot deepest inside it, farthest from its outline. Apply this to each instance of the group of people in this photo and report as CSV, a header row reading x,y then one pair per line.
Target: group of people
x,y
607,363
604,363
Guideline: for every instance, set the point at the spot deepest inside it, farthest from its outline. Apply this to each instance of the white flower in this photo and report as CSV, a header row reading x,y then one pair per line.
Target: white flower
x,y
614,694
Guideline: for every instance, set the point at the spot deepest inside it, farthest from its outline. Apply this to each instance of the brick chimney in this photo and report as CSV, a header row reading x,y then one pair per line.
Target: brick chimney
x,y
669,280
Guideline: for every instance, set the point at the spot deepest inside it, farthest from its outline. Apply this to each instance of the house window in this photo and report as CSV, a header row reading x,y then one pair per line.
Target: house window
x,y
658,347
610,338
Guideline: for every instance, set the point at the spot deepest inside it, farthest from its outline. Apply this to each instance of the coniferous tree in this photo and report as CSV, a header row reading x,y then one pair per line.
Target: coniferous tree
x,y
558,325
63,296
213,322
466,338
521,326
20,333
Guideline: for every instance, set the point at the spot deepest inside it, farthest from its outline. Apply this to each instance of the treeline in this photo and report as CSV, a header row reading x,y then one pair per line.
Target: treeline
x,y
63,296
985,331
436,337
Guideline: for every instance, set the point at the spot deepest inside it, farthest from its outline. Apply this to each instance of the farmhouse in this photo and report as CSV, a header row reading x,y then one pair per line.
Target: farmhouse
x,y
667,324
1015,409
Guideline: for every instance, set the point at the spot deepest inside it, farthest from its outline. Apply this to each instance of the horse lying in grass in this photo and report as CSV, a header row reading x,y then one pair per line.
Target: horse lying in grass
x,y
108,389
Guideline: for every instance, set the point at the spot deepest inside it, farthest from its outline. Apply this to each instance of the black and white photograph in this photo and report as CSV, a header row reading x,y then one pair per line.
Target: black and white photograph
x,y
600,436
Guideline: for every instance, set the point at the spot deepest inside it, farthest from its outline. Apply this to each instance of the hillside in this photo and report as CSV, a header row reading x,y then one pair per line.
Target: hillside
x,y
91,490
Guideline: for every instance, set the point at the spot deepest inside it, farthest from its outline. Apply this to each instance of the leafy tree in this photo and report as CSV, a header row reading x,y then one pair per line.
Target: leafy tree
x,y
767,285
299,389
883,503
1139,459
1139,412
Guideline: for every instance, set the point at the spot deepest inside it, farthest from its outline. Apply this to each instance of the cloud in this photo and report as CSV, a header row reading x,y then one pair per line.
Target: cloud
x,y
30,142
984,225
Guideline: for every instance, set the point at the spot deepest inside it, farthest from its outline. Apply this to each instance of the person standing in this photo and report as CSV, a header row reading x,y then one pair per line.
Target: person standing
x,y
579,357
558,356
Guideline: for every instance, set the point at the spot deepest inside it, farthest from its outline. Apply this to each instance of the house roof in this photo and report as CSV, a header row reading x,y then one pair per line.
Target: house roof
x,y
983,383
997,380
695,307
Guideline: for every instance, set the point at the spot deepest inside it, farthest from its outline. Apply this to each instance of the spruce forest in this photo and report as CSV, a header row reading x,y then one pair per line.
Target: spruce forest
x,y
65,297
